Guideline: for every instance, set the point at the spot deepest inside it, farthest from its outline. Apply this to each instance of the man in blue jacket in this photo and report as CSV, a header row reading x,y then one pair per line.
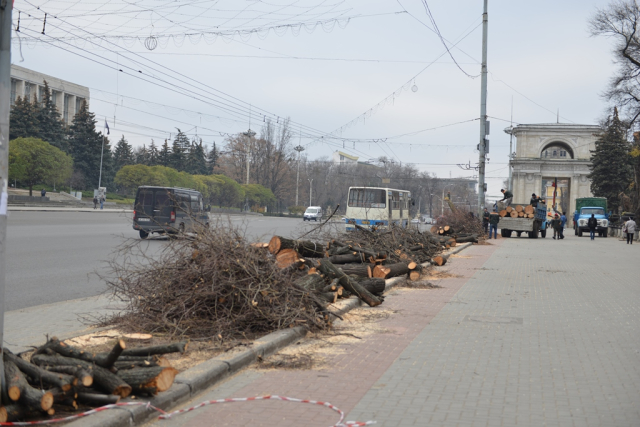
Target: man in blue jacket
x,y
563,221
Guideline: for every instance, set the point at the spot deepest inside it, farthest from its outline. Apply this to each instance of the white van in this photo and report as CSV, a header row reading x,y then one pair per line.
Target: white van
x,y
312,213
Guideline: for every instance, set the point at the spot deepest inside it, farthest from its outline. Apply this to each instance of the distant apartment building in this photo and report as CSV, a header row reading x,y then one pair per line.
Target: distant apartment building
x,y
343,158
66,96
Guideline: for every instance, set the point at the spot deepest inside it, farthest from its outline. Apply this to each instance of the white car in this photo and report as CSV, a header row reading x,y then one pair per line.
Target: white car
x,y
415,221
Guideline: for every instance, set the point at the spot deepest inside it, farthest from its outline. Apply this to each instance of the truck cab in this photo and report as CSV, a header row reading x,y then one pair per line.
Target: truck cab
x,y
584,208
581,220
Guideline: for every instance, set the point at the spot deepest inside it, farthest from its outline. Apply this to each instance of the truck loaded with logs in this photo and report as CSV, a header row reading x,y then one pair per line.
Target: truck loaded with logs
x,y
523,218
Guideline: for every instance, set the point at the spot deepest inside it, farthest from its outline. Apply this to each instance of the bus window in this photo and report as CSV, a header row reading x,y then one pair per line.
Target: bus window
x,y
395,200
366,198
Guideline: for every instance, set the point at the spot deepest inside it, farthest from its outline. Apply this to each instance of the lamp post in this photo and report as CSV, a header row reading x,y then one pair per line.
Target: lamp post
x,y
249,134
299,149
310,189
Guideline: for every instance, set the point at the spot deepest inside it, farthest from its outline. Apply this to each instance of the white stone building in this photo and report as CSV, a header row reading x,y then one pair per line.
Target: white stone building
x,y
66,96
343,158
545,152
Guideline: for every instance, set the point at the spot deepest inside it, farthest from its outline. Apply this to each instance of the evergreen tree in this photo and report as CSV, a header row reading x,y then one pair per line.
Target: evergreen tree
x,y
24,120
141,155
179,151
611,170
212,159
154,155
86,146
52,129
164,156
123,154
197,159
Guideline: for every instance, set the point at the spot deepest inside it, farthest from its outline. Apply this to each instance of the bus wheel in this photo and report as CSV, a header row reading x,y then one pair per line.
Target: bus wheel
x,y
143,234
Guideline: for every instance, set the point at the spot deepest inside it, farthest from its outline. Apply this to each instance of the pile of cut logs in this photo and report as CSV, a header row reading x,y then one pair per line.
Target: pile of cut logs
x,y
360,265
518,211
65,376
450,238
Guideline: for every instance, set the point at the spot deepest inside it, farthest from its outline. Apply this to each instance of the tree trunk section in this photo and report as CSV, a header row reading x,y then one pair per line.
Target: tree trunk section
x,y
177,347
390,270
375,286
105,360
305,248
84,376
473,239
327,268
149,380
348,258
102,378
361,270
287,258
40,375
311,282
30,397
93,399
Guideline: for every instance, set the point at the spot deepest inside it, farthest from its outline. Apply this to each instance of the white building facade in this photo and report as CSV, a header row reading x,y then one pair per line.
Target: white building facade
x,y
545,153
66,96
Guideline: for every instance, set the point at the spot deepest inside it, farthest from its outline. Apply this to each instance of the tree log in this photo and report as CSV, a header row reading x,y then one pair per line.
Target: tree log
x,y
176,347
40,375
311,282
84,376
287,258
327,268
509,209
105,360
434,229
330,297
375,286
30,397
14,412
528,209
414,275
102,378
513,214
519,208
503,213
305,248
94,399
149,380
390,270
347,258
362,270
473,238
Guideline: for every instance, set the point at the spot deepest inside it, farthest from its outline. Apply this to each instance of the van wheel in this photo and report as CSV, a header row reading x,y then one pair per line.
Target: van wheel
x,y
580,233
143,234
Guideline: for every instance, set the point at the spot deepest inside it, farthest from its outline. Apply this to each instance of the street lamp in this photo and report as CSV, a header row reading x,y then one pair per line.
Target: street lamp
x,y
299,149
310,189
249,134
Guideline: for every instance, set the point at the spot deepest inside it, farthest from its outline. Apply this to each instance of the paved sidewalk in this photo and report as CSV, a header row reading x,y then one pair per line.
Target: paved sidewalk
x,y
534,333
29,327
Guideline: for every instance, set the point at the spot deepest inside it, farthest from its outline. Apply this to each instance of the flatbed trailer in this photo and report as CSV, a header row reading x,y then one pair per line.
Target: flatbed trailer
x,y
534,227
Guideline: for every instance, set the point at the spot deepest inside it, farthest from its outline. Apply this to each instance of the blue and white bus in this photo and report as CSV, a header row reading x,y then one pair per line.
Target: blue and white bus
x,y
377,207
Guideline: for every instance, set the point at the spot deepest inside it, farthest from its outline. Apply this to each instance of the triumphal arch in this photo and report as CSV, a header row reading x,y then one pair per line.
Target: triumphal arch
x,y
545,153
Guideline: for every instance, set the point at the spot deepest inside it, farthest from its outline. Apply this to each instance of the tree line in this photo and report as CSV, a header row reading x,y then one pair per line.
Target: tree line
x,y
220,173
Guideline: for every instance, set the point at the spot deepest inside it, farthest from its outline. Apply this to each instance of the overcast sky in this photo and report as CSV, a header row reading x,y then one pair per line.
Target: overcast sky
x,y
367,73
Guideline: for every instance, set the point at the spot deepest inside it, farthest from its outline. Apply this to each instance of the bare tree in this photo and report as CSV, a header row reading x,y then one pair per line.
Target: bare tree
x,y
620,21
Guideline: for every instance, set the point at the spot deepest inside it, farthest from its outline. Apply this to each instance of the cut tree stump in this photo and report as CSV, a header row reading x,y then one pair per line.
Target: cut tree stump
x,y
102,378
305,248
149,380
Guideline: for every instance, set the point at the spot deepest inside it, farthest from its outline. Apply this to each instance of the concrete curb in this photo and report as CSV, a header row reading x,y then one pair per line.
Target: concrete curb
x,y
193,381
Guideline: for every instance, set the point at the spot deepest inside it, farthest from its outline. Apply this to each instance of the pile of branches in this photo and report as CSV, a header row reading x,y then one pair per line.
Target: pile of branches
x,y
215,284
461,224
65,377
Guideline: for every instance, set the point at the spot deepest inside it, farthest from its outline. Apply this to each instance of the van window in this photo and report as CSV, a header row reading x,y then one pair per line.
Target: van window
x,y
145,199
183,201
312,210
196,203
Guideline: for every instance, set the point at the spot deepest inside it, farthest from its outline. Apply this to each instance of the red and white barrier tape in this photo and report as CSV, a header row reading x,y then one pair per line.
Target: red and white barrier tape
x,y
167,415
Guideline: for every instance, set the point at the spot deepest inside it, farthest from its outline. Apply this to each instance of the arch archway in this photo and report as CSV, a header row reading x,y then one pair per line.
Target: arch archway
x,y
558,150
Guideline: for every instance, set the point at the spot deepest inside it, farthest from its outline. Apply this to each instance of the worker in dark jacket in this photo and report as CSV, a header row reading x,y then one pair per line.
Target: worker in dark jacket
x,y
485,220
556,223
535,200
592,224
494,219
508,197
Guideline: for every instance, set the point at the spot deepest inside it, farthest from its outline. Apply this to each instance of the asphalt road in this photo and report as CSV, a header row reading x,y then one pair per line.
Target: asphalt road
x,y
54,256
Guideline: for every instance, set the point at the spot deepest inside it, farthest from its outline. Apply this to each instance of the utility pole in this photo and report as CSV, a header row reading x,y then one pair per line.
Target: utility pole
x,y
511,148
299,149
5,96
482,146
310,189
249,134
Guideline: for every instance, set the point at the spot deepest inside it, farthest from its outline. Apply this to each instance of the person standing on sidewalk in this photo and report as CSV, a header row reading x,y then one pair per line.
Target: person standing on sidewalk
x,y
631,230
485,220
102,200
95,202
563,222
494,219
592,224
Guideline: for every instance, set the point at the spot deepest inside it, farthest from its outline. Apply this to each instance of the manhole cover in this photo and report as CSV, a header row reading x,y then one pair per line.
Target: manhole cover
x,y
491,319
